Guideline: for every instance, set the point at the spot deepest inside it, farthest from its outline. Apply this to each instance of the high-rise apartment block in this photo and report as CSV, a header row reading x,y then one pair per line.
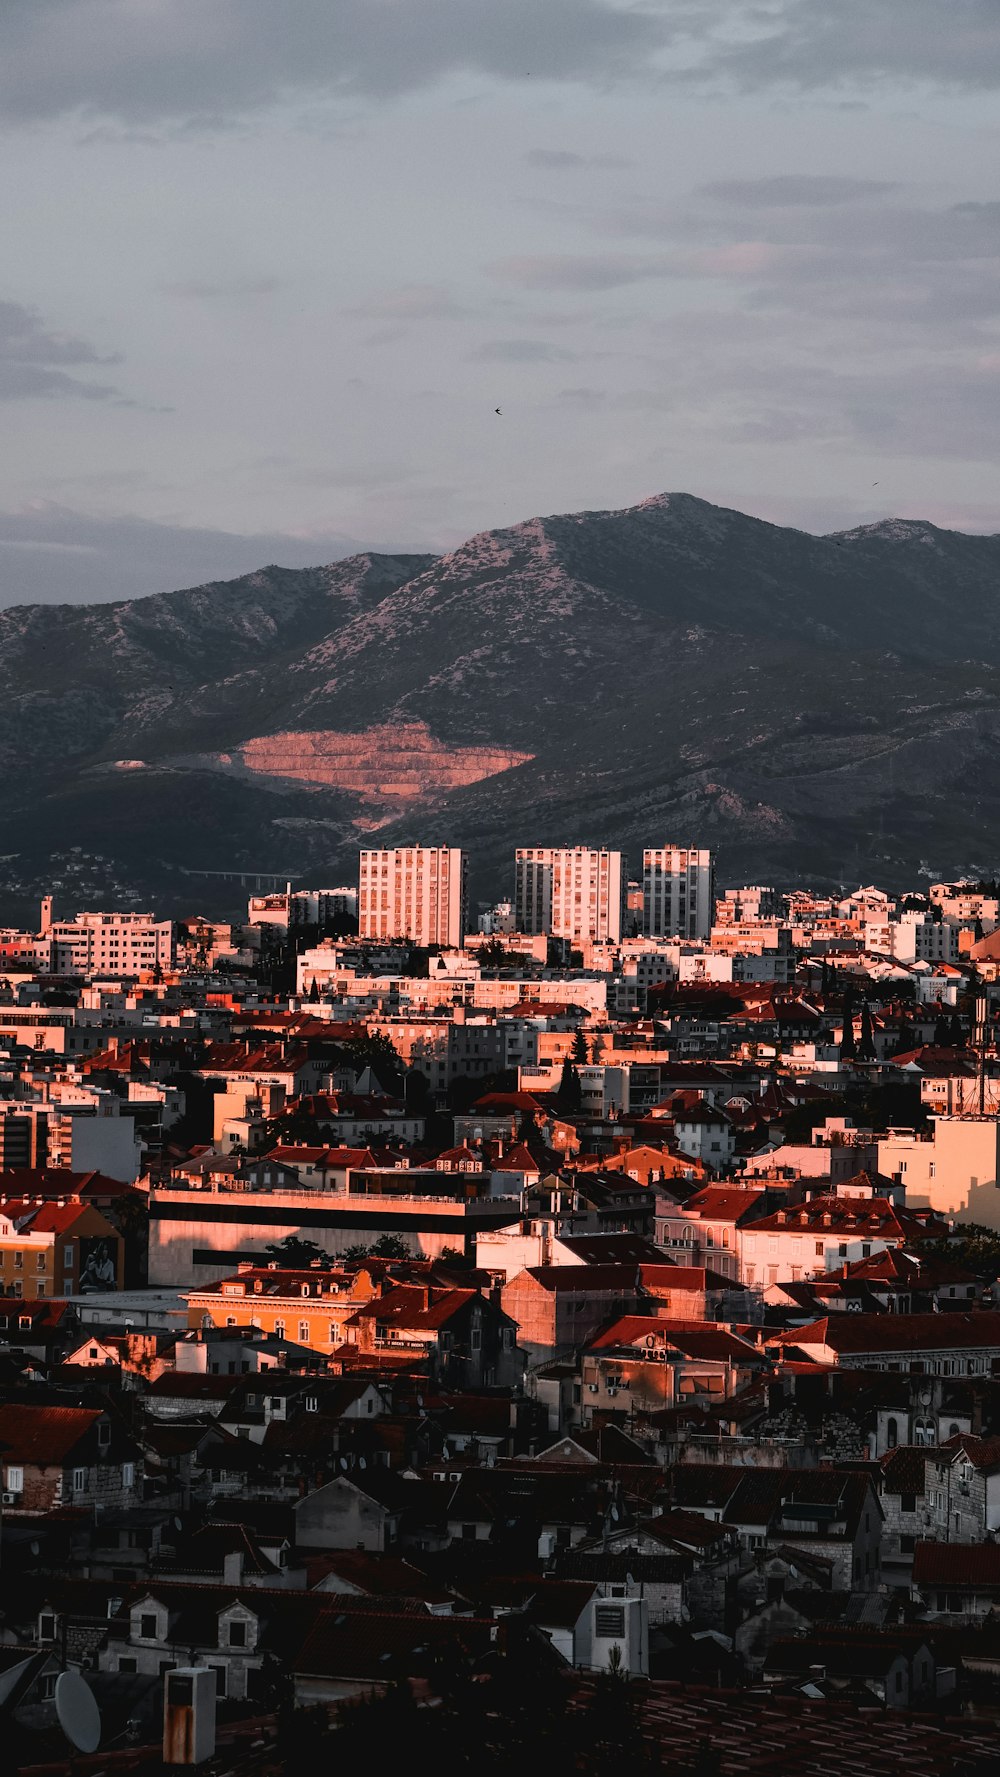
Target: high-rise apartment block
x,y
678,892
570,892
415,892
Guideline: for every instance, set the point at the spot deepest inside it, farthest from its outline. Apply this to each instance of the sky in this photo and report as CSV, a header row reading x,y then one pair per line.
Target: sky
x,y
268,271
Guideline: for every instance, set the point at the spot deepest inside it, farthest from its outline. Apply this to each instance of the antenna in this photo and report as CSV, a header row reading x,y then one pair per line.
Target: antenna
x,y
79,1716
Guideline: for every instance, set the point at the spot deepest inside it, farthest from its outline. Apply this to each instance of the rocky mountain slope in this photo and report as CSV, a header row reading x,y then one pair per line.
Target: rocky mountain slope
x,y
824,707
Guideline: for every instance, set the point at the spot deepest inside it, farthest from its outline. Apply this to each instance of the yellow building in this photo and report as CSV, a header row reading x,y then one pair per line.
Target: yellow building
x,y
57,1247
309,1307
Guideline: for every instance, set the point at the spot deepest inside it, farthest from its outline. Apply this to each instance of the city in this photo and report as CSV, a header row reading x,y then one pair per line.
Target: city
x,y
605,1280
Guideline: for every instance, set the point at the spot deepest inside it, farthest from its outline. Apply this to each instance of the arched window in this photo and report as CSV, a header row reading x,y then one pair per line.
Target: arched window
x,y
953,1431
892,1434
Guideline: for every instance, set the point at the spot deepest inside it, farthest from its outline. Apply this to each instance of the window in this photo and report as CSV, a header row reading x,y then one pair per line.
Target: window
x,y
15,1479
476,1339
147,1627
907,1502
237,1634
79,1480
103,1433
128,1474
40,1262
127,1663
47,1626
468,1533
221,1675
279,1329
68,1258
303,1332
18,1261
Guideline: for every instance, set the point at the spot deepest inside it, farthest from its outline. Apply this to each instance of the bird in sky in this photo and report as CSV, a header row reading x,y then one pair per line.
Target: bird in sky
x,y
874,484
497,410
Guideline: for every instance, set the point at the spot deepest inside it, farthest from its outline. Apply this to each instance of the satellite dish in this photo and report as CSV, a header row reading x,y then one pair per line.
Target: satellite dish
x,y
361,1462
79,1716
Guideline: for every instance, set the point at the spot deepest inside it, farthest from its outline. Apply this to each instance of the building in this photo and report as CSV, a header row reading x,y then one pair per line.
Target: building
x,y
297,908
416,892
57,1248
195,1230
811,1239
678,892
310,1306
54,1457
953,1171
107,943
570,892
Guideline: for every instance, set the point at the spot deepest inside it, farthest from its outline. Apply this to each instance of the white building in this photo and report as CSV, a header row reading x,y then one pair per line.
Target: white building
x,y
572,892
302,907
415,892
954,1171
914,937
107,943
678,892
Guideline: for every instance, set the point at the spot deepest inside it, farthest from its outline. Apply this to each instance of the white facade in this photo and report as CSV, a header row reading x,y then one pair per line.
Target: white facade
x,y
415,892
955,1172
572,892
678,892
110,944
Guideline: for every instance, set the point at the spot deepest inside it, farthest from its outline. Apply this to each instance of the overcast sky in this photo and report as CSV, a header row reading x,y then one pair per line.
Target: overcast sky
x,y
268,270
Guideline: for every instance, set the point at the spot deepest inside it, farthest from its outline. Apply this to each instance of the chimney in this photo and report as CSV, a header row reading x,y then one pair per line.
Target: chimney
x,y
45,923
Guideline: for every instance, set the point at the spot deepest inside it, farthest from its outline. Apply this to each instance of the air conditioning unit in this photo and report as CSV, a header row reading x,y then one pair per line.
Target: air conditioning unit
x,y
11,1499
594,1387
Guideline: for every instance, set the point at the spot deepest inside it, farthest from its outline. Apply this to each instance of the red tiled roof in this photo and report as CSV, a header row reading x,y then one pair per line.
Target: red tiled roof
x,y
957,1564
43,1437
916,1333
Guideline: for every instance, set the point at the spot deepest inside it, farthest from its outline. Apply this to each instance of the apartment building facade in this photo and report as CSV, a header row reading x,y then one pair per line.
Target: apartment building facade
x,y
571,892
678,892
416,892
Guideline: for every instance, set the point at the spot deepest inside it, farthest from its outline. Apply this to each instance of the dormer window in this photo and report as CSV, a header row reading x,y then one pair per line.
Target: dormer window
x,y
237,1636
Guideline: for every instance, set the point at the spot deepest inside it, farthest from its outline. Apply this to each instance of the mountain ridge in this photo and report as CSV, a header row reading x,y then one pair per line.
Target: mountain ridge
x,y
667,671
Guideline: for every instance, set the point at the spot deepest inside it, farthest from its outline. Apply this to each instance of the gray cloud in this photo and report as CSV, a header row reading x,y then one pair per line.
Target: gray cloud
x,y
563,159
188,59
413,302
226,288
792,189
32,358
185,61
50,554
579,271
811,44
523,351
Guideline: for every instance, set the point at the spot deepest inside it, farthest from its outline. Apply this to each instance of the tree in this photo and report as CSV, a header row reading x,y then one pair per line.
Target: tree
x,y
866,1047
848,1047
569,1094
295,1253
314,992
387,1246
956,1032
942,1034
578,1053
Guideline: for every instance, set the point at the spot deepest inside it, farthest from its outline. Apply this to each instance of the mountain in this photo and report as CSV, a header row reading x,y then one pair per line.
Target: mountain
x,y
821,708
